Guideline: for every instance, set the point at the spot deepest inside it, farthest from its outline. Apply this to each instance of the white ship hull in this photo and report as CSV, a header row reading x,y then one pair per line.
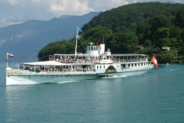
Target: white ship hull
x,y
37,79
127,72
60,77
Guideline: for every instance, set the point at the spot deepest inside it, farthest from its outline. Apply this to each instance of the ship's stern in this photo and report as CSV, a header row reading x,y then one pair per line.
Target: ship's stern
x,y
8,81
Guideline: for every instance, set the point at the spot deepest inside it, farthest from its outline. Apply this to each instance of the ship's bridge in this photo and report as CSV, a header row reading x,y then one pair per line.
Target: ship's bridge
x,y
92,50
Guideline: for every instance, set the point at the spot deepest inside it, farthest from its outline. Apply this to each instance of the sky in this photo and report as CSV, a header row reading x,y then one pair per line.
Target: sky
x,y
19,11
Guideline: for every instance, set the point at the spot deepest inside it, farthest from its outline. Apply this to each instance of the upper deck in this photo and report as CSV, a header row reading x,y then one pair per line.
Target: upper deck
x,y
90,59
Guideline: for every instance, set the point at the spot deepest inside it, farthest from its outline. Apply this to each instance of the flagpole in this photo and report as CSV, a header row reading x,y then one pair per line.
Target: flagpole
x,y
7,59
76,42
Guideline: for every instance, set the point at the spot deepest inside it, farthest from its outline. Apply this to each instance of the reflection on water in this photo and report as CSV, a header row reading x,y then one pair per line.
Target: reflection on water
x,y
156,96
17,102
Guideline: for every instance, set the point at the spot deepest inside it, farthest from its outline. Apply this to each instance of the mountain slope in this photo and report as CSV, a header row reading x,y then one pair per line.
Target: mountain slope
x,y
26,39
128,26
121,18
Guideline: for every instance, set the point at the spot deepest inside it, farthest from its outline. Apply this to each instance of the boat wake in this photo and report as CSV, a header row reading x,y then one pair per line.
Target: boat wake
x,y
171,70
121,75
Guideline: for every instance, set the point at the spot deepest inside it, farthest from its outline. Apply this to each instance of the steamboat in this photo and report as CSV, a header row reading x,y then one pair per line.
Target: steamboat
x,y
95,63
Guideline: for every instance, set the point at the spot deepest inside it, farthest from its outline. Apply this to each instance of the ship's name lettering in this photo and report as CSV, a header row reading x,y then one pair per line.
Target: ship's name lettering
x,y
111,71
16,73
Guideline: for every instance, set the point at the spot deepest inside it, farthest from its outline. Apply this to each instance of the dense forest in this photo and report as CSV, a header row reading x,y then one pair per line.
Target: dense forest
x,y
151,25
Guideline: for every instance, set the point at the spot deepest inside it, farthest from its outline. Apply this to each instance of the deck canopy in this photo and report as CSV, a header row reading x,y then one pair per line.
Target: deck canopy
x,y
128,55
73,55
53,63
84,55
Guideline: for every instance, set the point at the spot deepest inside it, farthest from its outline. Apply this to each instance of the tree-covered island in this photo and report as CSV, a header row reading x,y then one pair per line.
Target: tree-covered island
x,y
149,28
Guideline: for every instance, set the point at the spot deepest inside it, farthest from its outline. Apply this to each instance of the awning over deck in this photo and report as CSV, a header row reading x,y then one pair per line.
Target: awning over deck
x,y
54,63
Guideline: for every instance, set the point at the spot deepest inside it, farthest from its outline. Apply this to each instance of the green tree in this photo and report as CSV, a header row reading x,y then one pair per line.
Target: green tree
x,y
163,42
181,50
147,43
126,41
179,19
182,35
162,33
175,32
159,22
161,37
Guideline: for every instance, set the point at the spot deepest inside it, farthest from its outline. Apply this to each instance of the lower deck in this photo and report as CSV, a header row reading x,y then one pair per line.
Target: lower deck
x,y
19,77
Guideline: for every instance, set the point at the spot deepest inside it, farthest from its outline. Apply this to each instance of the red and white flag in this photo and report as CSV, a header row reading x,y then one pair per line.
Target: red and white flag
x,y
98,43
9,55
154,61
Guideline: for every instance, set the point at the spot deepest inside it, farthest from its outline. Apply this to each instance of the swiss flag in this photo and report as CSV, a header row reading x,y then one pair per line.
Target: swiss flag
x,y
154,61
98,43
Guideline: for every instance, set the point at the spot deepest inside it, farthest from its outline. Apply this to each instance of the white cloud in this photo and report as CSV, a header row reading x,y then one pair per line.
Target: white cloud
x,y
8,21
179,1
69,7
107,4
13,2
24,10
37,1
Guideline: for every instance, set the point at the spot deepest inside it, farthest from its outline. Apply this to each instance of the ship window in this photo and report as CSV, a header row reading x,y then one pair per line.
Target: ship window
x,y
128,65
123,65
97,67
91,48
100,67
104,67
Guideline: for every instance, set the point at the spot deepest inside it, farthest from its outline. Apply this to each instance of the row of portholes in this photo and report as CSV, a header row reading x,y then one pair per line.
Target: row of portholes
x,y
138,65
100,67
134,65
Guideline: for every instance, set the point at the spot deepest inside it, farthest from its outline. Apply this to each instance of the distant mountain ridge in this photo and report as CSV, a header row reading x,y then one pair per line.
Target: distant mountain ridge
x,y
26,39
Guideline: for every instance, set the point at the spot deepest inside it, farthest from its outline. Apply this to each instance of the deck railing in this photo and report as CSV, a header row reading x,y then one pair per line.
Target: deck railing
x,y
97,60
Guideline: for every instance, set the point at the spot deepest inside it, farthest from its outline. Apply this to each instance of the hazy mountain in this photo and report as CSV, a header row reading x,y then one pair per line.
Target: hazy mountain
x,y
26,39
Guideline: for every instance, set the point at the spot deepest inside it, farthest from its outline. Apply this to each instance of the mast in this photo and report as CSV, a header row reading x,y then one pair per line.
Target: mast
x,y
7,60
76,42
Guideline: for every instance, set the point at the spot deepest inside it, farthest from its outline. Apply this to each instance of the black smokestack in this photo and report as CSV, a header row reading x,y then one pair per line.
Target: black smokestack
x,y
102,39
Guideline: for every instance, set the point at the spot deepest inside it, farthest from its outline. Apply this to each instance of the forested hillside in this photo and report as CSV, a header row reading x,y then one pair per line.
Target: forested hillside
x,y
148,24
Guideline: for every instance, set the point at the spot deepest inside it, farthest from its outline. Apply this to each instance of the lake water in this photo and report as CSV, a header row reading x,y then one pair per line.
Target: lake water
x,y
154,97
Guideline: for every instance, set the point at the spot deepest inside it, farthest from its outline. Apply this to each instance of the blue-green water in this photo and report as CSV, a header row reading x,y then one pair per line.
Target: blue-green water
x,y
154,97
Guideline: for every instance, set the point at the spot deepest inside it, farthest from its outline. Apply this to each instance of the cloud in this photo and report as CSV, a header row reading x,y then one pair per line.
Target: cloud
x,y
17,11
8,21
13,2
107,4
179,1
70,7
37,1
